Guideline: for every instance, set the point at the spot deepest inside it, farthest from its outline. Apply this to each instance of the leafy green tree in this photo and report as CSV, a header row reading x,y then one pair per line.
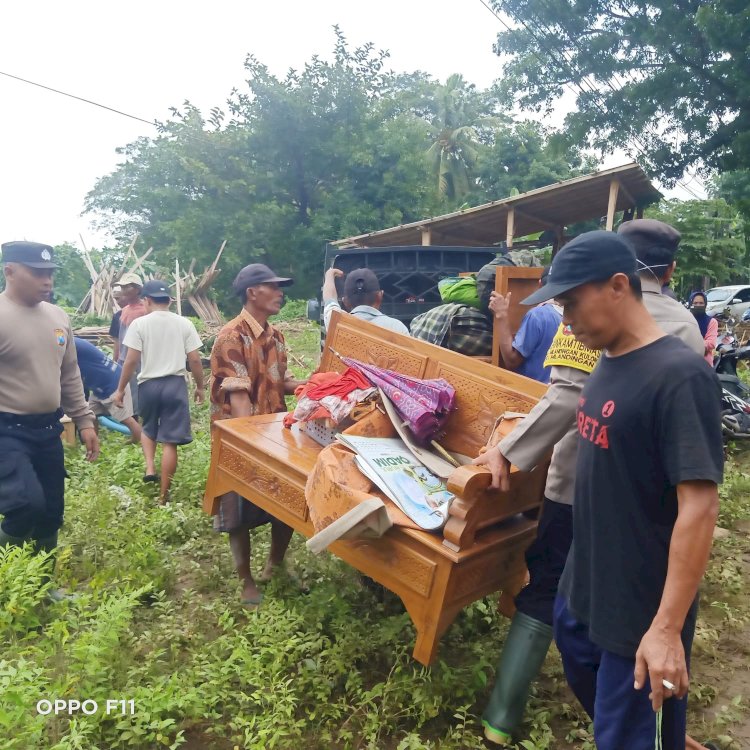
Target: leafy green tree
x,y
713,249
671,76
455,135
311,157
72,279
334,149
734,188
523,156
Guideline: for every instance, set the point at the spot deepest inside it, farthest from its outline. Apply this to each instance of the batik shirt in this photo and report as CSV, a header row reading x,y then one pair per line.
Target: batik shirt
x,y
248,357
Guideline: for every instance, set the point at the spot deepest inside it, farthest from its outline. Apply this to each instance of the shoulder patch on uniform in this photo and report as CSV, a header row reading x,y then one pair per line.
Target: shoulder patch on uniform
x,y
60,336
565,351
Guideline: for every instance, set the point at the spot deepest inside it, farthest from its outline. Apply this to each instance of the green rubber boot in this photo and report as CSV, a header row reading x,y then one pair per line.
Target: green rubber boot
x,y
6,540
523,655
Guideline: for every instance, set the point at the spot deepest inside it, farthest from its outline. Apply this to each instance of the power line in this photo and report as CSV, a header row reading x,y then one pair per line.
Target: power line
x,y
152,123
567,64
80,99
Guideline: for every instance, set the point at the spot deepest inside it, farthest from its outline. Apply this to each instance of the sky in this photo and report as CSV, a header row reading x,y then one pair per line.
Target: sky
x,y
145,56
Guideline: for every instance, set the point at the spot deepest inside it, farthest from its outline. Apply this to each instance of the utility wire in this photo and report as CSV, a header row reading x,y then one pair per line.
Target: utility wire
x,y
153,123
620,84
80,99
566,65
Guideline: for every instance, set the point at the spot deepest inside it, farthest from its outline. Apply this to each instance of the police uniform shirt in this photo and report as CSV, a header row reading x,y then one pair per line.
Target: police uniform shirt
x,y
38,364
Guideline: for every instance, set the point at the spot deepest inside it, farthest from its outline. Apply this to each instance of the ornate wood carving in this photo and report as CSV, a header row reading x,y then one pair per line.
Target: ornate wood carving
x,y
434,577
411,569
260,479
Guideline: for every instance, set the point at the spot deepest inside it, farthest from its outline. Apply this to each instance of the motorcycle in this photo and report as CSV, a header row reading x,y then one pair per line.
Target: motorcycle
x,y
735,397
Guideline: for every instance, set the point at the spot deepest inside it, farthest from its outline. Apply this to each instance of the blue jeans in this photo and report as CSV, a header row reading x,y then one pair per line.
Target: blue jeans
x,y
603,683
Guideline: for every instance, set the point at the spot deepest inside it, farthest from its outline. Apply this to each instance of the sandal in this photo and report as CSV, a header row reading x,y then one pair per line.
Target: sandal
x,y
150,477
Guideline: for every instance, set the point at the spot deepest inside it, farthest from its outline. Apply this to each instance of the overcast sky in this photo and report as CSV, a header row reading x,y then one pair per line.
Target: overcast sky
x,y
143,57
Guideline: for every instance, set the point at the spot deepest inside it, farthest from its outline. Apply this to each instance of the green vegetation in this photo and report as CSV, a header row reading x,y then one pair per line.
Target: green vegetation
x,y
335,148
156,620
666,78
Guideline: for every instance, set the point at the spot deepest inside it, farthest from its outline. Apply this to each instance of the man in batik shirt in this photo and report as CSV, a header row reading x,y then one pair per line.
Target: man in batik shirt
x,y
249,376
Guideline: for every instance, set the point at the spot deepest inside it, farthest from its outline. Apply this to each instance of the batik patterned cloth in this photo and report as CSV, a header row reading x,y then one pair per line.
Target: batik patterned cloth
x,y
246,357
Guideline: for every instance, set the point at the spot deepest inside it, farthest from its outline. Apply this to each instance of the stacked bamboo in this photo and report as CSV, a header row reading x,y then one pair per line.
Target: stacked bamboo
x,y
195,290
99,300
188,287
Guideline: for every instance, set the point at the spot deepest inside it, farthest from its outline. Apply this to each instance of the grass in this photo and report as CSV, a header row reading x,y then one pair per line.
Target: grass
x,y
156,620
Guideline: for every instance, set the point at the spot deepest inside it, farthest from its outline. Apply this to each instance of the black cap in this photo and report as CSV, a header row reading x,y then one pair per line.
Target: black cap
x,y
156,289
33,254
592,256
255,274
655,243
360,281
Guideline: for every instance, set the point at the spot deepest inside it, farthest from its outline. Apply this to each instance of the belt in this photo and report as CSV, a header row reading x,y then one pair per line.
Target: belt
x,y
31,421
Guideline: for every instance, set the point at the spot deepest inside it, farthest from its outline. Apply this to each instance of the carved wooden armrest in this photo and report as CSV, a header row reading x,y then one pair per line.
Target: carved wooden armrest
x,y
467,483
476,505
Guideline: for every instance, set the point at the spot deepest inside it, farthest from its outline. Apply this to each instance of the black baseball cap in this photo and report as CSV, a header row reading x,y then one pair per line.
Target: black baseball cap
x,y
33,254
360,281
156,289
255,274
655,243
592,256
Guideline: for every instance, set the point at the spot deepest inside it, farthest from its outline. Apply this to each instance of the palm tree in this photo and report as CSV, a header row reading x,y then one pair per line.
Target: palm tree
x,y
456,141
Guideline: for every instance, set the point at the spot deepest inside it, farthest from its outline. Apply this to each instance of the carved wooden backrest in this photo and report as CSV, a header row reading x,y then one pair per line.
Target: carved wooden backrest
x,y
483,391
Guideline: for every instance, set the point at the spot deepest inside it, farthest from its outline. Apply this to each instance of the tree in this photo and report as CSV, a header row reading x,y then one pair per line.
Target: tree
x,y
524,156
311,157
712,250
734,188
334,149
670,76
458,116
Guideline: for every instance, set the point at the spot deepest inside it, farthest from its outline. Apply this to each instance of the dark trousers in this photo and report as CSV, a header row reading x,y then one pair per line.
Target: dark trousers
x,y
32,475
545,559
603,682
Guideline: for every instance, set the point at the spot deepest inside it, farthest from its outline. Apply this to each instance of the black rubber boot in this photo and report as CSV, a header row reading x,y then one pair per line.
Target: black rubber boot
x,y
523,655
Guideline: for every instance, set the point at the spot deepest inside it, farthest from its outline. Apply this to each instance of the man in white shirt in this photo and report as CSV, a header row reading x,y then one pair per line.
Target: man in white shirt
x,y
160,341
362,298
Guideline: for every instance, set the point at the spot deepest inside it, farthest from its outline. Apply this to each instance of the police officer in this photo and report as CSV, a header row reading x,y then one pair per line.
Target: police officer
x,y
39,381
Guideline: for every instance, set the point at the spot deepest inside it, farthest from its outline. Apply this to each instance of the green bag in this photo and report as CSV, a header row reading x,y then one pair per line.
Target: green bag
x,y
459,289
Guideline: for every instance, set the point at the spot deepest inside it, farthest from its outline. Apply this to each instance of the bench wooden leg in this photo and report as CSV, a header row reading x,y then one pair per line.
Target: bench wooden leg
x,y
429,632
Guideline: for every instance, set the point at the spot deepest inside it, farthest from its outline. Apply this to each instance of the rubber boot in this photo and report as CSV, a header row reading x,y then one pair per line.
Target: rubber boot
x,y
523,655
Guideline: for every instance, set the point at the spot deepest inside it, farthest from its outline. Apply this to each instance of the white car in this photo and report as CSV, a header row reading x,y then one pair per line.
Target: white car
x,y
736,298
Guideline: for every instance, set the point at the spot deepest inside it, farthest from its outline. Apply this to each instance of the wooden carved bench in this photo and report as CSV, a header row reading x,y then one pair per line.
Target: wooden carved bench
x,y
481,548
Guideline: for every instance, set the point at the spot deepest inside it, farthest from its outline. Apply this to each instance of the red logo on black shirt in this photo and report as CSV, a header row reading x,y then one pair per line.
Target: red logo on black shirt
x,y
608,408
593,431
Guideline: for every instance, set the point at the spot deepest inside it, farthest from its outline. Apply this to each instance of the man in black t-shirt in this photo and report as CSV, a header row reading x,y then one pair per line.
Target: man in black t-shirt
x,y
649,461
